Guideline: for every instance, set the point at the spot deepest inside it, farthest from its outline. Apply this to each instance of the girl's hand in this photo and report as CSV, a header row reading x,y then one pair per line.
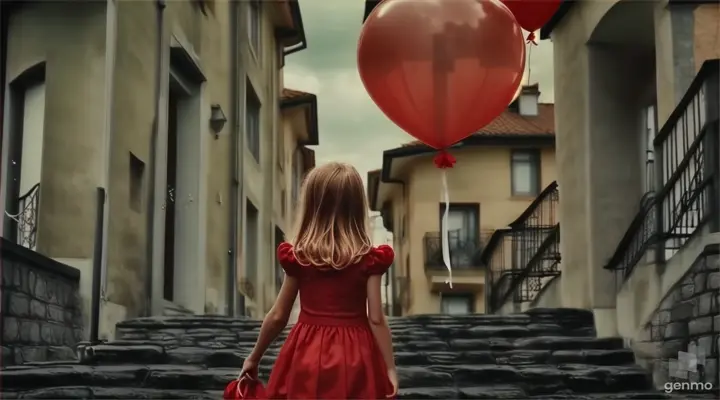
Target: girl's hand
x,y
392,376
249,369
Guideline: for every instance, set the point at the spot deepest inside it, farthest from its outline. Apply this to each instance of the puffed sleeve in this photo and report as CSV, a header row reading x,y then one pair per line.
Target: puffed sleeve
x,y
286,257
379,260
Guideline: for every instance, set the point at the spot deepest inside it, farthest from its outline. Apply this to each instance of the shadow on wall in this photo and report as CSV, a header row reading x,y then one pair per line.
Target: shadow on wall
x,y
680,343
41,313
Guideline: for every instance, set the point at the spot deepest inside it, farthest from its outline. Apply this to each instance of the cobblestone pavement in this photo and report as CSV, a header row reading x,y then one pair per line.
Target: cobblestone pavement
x,y
542,354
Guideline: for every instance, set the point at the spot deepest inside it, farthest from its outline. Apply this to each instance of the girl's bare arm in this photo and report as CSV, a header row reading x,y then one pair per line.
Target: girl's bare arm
x,y
277,318
378,323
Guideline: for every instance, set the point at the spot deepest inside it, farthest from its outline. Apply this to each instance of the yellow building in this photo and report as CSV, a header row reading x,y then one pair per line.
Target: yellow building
x,y
499,172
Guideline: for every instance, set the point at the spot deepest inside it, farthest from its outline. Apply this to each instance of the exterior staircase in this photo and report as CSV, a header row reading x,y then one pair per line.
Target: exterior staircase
x,y
542,354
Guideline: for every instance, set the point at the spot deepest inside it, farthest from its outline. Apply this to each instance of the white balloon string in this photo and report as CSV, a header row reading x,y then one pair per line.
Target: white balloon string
x,y
445,231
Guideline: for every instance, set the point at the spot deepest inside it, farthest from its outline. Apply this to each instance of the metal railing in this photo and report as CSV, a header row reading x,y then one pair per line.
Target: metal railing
x,y
27,217
521,259
687,150
544,265
464,248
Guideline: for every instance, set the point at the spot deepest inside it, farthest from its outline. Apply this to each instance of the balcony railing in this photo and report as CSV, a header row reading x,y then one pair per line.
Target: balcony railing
x,y
523,258
25,221
464,248
687,150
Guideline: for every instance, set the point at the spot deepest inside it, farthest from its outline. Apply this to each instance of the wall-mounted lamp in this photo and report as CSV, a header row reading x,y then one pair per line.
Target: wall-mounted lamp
x,y
217,119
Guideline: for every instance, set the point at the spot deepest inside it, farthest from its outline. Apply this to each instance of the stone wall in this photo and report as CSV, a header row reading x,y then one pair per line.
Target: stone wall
x,y
41,316
687,322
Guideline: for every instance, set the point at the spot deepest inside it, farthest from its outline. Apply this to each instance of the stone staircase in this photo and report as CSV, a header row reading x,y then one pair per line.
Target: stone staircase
x,y
542,354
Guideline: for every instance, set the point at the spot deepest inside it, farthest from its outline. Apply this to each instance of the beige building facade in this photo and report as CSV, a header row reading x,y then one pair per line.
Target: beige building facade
x,y
151,141
636,114
499,172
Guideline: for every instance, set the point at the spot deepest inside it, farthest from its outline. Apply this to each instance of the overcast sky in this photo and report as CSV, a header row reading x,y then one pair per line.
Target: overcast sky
x,y
352,128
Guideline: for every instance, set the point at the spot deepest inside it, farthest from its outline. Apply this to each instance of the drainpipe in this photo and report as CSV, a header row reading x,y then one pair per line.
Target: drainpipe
x,y
4,32
159,50
99,264
234,182
237,184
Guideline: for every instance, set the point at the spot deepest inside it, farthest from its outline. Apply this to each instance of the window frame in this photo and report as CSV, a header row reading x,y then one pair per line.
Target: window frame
x,y
253,116
255,28
534,161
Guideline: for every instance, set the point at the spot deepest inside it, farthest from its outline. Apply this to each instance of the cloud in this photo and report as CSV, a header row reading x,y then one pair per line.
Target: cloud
x,y
352,128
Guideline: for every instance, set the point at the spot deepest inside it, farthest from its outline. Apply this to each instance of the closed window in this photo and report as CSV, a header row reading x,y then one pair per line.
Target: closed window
x,y
254,26
463,233
252,123
525,170
297,176
252,226
455,305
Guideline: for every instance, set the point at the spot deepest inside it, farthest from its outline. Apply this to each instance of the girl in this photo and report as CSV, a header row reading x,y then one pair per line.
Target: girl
x,y
341,346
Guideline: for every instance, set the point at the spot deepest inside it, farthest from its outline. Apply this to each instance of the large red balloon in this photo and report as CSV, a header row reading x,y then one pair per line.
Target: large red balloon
x,y
532,14
440,69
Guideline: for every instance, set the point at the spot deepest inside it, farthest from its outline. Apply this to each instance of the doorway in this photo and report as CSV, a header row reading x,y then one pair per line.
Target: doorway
x,y
170,215
184,207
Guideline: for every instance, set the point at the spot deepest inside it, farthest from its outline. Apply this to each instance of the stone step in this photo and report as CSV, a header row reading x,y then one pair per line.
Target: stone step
x,y
534,379
114,393
494,392
517,357
489,392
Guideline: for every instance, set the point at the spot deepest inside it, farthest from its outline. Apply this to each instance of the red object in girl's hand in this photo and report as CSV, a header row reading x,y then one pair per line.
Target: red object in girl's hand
x,y
245,388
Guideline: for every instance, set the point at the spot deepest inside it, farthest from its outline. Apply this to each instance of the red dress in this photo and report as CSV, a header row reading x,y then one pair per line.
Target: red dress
x,y
331,352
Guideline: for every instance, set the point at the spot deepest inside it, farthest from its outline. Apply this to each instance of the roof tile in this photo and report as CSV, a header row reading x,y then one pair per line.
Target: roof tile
x,y
510,122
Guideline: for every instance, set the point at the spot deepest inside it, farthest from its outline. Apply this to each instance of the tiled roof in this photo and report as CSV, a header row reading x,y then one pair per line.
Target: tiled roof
x,y
289,94
510,122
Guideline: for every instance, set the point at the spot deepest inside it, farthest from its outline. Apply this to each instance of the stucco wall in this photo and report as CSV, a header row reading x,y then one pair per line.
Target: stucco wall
x,y
481,175
83,108
72,45
595,88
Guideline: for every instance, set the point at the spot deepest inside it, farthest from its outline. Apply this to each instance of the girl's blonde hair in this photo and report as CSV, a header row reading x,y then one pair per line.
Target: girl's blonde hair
x,y
332,218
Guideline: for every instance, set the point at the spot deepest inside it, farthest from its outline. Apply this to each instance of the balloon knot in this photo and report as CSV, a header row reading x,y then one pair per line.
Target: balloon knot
x,y
531,38
444,159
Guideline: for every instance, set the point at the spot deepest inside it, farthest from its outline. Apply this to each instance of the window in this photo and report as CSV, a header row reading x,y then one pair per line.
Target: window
x,y
279,273
463,222
254,28
252,123
297,175
283,203
137,172
525,173
281,151
251,242
455,304
650,127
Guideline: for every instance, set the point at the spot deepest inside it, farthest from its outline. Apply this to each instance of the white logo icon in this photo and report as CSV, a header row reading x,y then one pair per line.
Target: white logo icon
x,y
687,362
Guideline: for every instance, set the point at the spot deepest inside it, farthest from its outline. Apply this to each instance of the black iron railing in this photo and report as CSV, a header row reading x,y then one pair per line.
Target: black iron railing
x,y
27,217
638,239
498,260
463,249
543,266
687,156
523,258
